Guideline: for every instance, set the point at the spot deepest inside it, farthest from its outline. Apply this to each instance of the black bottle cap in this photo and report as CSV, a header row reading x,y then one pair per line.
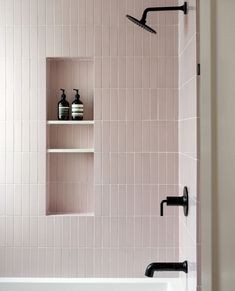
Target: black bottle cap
x,y
63,94
77,94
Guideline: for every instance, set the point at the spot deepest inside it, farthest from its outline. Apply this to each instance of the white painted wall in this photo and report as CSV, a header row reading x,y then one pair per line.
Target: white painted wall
x,y
219,62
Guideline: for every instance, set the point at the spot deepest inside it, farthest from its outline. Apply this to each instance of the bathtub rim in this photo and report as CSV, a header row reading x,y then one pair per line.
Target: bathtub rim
x,y
89,280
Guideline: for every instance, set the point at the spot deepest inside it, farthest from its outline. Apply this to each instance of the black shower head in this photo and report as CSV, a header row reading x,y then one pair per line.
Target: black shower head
x,y
141,23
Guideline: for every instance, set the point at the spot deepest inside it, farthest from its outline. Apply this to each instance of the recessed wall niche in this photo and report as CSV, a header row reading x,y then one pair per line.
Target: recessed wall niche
x,y
70,143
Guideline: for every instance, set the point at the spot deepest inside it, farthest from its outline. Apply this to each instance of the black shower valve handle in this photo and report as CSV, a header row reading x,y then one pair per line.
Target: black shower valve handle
x,y
176,201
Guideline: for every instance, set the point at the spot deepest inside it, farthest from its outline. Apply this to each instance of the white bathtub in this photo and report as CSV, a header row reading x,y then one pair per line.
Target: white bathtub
x,y
61,284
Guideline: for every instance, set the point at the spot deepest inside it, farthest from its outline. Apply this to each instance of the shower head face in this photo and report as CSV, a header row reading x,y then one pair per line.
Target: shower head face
x,y
141,24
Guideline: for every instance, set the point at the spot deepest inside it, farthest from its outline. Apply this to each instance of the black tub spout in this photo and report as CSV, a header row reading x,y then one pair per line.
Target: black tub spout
x,y
160,267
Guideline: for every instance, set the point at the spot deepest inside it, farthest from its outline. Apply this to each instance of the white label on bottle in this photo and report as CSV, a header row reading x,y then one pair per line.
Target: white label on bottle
x,y
63,111
77,106
77,110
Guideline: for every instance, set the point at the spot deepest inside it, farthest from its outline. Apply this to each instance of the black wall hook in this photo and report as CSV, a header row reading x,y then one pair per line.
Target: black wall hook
x,y
176,201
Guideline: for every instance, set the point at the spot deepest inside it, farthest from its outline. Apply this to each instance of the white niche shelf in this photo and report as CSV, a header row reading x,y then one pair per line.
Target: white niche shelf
x,y
91,214
70,151
70,143
70,122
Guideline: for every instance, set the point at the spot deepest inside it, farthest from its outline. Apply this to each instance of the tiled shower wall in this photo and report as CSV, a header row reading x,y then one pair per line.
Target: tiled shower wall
x,y
136,137
188,153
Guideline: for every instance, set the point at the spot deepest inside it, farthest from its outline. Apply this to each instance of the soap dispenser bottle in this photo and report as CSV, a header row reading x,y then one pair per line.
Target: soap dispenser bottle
x,y
63,107
77,107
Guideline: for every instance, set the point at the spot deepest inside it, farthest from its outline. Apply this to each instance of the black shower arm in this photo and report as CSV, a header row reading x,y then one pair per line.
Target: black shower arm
x,y
169,8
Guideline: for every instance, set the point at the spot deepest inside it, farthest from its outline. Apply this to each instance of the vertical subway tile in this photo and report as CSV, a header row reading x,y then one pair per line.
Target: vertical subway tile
x,y
122,72
10,231
82,41
106,104
33,10
130,44
66,12
130,136
10,199
41,41
137,104
122,137
25,200
122,105
25,41
17,167
25,168
105,41
98,104
17,12
82,12
106,137
33,231
98,41
50,12
50,41
105,8
98,73
98,136
105,200
2,199
42,12
106,168
114,72
122,41
122,201
114,104
122,168
106,72
9,167
130,104
98,12
114,200
113,41
3,12
137,136
114,168
66,41
18,40
74,41
74,12
33,200
58,41
17,231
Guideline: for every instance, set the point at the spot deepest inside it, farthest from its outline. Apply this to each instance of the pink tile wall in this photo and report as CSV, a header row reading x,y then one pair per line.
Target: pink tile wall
x,y
188,136
135,138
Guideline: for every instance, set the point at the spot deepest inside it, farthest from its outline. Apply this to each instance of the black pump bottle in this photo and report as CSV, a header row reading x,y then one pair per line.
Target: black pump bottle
x,y
63,107
77,107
